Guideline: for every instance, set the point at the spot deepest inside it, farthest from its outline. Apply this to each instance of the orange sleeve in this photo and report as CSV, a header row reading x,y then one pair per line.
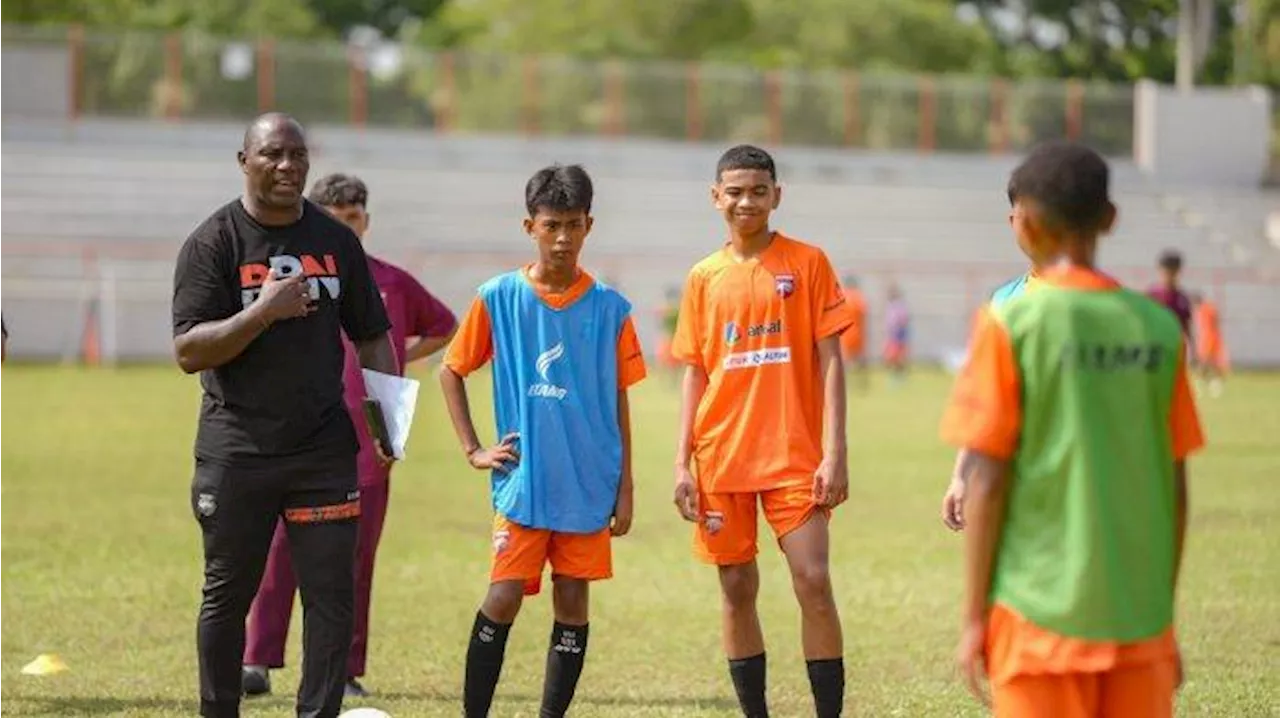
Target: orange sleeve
x,y
686,345
472,346
631,368
832,312
1184,423
985,410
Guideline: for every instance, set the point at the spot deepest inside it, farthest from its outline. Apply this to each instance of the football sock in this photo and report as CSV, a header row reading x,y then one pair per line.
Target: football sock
x,y
826,678
565,657
748,680
484,665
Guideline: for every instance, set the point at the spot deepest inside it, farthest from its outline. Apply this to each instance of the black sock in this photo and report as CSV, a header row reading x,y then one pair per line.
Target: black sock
x,y
826,678
748,681
565,657
484,665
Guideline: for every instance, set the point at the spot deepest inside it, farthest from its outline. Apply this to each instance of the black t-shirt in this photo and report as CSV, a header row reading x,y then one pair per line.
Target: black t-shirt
x,y
282,397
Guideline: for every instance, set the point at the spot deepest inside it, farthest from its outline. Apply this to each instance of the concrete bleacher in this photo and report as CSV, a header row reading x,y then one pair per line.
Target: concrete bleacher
x,y
450,209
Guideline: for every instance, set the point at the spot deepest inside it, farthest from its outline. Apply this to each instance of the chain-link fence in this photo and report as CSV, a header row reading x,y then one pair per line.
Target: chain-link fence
x,y
186,76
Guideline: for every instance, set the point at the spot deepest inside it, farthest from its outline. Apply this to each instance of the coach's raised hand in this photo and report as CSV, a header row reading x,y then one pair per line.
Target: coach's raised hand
x,y
284,298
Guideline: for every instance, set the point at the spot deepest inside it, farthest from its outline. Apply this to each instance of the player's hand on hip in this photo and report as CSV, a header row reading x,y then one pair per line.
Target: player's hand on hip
x,y
953,505
831,481
969,660
286,298
686,494
502,457
622,513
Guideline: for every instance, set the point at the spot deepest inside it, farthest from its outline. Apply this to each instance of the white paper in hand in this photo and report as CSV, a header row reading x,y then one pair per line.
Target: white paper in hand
x,y
398,397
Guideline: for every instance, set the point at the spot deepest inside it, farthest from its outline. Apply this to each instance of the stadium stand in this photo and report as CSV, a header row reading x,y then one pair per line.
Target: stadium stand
x,y
95,211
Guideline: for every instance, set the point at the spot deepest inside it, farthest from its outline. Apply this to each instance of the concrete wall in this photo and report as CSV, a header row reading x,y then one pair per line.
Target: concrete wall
x,y
1209,137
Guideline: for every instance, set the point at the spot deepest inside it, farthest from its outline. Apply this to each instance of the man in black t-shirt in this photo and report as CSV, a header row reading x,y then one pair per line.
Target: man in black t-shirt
x,y
262,289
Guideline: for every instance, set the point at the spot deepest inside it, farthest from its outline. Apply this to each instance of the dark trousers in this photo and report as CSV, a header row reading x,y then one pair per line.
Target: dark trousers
x,y
273,607
237,510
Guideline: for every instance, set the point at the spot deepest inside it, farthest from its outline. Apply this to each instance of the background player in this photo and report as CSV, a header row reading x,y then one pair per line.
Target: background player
x,y
565,351
897,345
420,326
853,339
1078,392
762,420
1211,350
1168,291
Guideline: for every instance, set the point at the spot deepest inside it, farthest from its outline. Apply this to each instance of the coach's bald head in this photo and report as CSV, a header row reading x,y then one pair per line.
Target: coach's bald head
x,y
275,162
269,123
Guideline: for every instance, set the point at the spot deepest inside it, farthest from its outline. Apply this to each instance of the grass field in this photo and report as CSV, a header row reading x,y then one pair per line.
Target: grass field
x,y
101,565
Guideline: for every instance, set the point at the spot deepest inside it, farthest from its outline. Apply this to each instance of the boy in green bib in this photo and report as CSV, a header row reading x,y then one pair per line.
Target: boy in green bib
x,y
1078,415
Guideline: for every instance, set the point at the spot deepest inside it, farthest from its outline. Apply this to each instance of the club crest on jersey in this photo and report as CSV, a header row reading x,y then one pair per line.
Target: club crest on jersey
x,y
546,389
785,285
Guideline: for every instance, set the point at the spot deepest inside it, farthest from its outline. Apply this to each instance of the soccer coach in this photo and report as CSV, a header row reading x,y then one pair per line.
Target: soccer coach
x,y
261,290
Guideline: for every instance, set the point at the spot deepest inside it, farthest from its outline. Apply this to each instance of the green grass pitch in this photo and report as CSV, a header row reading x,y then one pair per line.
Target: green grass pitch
x,y
101,564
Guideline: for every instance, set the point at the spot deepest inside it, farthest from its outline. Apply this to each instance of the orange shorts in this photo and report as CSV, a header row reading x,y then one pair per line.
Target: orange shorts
x,y
520,554
1141,691
1035,672
726,535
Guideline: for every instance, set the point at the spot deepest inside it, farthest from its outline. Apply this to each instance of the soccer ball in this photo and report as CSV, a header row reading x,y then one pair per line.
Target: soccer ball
x,y
365,713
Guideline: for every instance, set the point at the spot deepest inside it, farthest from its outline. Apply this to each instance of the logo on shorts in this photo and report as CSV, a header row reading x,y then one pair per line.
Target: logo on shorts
x,y
785,285
545,388
714,521
501,539
206,504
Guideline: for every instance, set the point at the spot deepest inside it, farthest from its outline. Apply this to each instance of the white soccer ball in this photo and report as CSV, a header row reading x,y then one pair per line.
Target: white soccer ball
x,y
365,713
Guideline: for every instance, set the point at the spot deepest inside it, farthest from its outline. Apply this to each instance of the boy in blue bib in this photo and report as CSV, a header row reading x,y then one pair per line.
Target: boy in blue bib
x,y
564,352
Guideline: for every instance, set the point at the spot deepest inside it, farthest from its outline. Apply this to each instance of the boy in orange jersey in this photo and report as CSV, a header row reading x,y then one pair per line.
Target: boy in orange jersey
x,y
1077,415
853,340
1211,351
762,422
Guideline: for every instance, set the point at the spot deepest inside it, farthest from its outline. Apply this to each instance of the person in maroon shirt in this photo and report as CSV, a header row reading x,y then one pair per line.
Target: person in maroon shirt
x,y
420,326
1169,293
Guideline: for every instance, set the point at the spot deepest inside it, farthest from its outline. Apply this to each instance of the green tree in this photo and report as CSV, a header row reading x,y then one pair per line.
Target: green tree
x,y
388,16
280,18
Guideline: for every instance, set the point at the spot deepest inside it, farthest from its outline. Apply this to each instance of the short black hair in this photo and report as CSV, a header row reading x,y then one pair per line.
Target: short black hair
x,y
746,157
1070,181
1171,259
559,188
339,190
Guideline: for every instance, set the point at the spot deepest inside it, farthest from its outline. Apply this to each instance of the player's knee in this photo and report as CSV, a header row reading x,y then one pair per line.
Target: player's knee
x,y
812,582
502,602
740,585
570,598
